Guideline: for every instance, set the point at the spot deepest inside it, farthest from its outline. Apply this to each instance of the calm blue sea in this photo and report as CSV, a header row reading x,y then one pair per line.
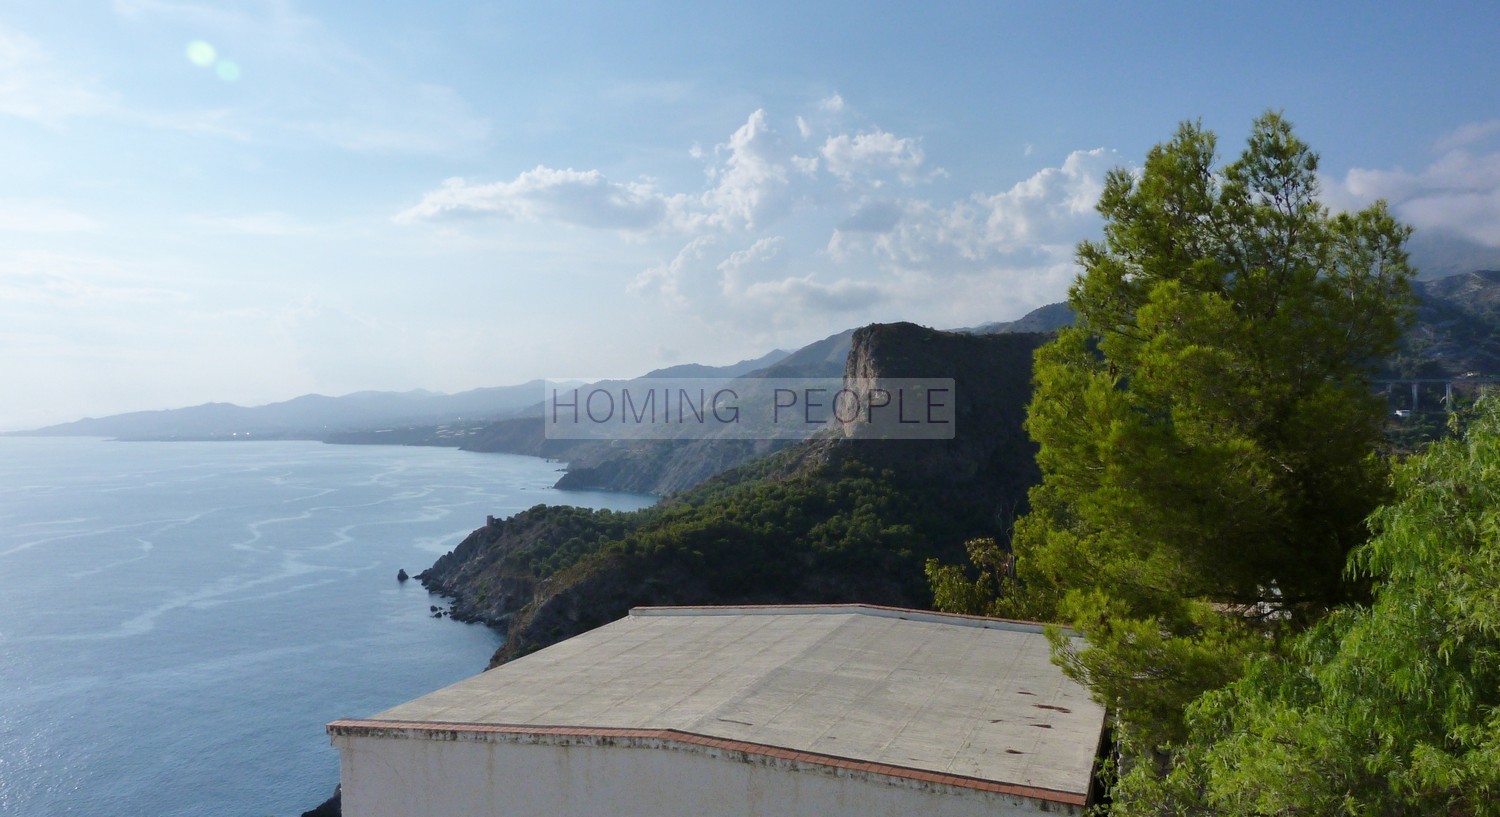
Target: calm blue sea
x,y
179,620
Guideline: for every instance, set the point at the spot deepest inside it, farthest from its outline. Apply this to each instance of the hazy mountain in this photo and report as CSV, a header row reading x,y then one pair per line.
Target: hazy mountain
x,y
1049,318
1457,331
691,370
832,519
310,416
1437,254
649,465
405,417
806,523
822,358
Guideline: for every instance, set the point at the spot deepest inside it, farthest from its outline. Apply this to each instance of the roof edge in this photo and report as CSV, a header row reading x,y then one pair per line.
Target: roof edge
x,y
877,610
487,731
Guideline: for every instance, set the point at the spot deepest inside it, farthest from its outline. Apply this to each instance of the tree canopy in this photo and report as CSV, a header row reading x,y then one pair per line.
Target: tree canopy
x,y
1206,430
1393,708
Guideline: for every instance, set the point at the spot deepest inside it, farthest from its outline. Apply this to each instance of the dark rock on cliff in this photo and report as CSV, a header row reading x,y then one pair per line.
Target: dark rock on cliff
x,y
500,568
663,466
332,807
838,519
990,456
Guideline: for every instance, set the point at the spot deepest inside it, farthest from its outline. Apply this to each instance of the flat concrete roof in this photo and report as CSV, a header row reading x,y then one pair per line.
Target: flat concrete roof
x,y
957,696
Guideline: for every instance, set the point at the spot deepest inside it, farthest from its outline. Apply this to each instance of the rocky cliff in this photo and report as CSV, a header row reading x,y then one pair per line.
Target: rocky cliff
x,y
664,466
837,519
1455,331
849,518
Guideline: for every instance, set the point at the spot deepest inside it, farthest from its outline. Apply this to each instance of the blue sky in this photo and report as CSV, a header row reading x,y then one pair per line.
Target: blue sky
x,y
254,200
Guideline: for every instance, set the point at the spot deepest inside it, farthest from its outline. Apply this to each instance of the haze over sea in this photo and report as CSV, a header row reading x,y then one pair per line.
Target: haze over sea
x,y
179,620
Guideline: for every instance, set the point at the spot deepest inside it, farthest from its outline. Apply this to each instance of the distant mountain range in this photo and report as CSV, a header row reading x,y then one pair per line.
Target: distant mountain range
x,y
698,370
317,417
835,518
311,416
1049,318
1457,331
1456,334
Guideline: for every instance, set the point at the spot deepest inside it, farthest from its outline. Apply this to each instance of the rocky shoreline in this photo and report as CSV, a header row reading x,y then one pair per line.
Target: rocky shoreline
x,y
546,574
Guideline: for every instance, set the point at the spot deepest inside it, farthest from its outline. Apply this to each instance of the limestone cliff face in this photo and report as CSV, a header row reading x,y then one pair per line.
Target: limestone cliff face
x,y
990,452
835,519
663,467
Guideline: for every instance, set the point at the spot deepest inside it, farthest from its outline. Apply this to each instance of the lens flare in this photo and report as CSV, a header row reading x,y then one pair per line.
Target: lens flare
x,y
227,71
201,53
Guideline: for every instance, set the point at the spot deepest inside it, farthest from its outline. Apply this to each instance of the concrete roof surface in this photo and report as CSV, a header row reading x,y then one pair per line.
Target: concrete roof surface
x,y
955,695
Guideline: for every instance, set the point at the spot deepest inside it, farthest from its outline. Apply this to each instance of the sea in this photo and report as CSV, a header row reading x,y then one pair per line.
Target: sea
x,y
179,620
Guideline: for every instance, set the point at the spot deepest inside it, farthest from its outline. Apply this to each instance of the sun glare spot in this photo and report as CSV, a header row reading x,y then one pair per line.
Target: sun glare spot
x,y
227,71
201,53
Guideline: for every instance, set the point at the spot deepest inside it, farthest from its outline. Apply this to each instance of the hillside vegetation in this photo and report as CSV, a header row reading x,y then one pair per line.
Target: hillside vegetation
x,y
827,520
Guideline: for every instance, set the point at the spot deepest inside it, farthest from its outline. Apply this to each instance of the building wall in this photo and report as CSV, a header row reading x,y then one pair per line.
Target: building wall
x,y
386,776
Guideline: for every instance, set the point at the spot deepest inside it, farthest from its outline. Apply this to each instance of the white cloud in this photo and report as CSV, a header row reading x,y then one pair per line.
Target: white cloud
x,y
844,295
638,93
1458,193
1468,135
787,237
666,281
750,177
257,224
310,83
754,182
72,281
34,86
744,269
405,118
275,18
1050,204
872,216
834,103
868,154
1038,221
24,216
578,197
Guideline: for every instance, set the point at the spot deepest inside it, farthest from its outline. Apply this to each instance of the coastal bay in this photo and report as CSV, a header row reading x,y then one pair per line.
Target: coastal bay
x,y
178,620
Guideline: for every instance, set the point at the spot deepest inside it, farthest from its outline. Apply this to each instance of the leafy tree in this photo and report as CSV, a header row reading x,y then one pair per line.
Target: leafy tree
x,y
1388,709
1206,429
953,590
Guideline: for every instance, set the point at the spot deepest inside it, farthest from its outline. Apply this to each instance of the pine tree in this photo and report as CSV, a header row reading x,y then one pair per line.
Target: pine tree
x,y
1391,708
1206,429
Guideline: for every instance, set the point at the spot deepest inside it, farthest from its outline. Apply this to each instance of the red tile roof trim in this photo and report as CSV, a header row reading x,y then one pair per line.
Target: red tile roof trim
x,y
379,728
853,607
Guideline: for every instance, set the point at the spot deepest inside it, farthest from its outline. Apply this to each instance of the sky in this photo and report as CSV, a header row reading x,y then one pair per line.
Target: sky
x,y
249,201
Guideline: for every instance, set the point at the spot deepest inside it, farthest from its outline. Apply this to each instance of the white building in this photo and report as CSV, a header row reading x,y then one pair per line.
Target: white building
x,y
817,710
